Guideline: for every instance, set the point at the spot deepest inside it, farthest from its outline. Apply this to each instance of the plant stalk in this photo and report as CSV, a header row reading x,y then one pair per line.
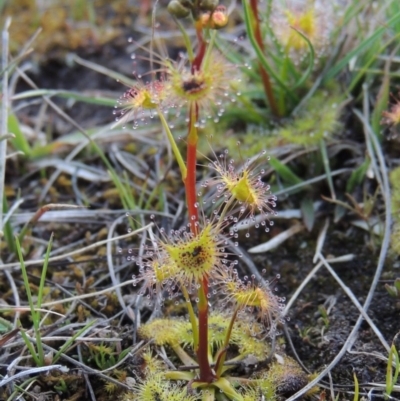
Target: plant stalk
x,y
190,179
264,74
206,374
202,47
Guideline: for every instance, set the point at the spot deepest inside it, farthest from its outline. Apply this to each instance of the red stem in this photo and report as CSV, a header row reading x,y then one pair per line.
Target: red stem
x,y
196,64
206,374
264,74
190,181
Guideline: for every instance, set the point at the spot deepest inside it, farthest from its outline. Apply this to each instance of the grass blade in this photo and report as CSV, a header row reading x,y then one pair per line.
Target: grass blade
x,y
19,141
285,172
327,168
71,340
260,55
310,67
89,98
35,315
30,346
362,46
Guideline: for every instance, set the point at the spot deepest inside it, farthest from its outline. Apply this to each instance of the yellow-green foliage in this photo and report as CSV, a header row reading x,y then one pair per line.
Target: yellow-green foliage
x,y
244,334
247,337
157,388
153,365
252,142
319,120
163,331
252,346
256,394
395,182
282,377
217,326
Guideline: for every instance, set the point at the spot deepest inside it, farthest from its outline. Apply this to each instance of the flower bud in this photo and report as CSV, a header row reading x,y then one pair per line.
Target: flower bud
x,y
177,9
216,20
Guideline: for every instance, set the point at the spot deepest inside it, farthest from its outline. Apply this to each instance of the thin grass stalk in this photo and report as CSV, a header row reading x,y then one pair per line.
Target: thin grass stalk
x,y
77,251
39,356
4,116
365,44
327,168
96,147
39,370
71,340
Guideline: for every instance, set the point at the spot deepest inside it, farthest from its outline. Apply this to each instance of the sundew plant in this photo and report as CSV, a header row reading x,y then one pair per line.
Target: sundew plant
x,y
229,317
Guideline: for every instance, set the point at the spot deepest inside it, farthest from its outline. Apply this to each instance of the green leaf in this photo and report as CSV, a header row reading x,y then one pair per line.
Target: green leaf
x,y
80,97
357,176
308,212
339,212
19,142
310,67
371,55
392,291
364,45
226,387
392,9
327,167
260,55
356,388
5,325
30,346
72,339
285,172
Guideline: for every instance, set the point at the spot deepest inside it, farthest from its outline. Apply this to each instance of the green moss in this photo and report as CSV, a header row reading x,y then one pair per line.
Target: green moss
x,y
157,388
247,338
319,120
163,331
